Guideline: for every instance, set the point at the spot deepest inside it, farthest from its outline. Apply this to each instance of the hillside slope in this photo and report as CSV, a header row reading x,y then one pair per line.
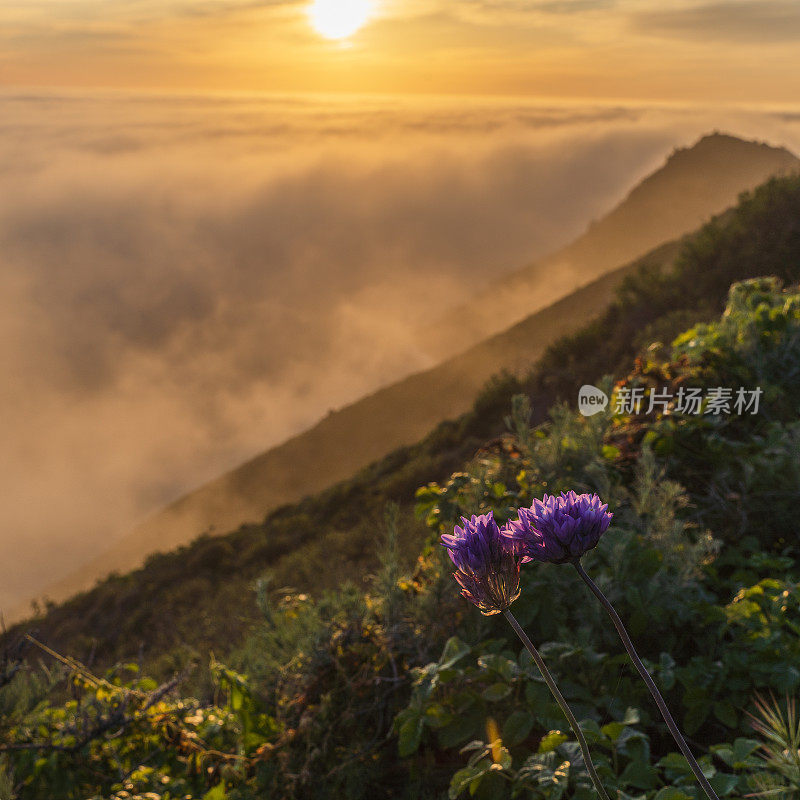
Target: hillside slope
x,y
694,184
347,440
201,597
706,177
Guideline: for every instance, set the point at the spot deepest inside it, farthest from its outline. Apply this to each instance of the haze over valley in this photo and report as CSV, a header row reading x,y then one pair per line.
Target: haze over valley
x,y
188,280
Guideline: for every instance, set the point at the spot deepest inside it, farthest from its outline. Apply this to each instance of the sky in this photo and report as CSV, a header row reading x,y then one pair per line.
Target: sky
x,y
729,51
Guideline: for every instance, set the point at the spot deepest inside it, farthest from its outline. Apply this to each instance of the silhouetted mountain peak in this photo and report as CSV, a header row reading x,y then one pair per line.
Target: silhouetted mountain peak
x,y
716,163
722,145
692,185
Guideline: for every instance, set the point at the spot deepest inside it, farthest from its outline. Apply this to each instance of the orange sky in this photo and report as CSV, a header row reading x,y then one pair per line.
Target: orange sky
x,y
728,51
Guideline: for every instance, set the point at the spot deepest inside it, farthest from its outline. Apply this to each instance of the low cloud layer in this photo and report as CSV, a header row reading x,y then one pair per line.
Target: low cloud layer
x,y
738,21
186,281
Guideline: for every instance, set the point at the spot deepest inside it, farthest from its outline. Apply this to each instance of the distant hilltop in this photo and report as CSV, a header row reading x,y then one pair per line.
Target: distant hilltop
x,y
694,184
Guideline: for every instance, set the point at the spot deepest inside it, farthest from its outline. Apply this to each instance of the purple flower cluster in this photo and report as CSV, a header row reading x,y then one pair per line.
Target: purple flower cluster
x,y
486,567
556,530
559,529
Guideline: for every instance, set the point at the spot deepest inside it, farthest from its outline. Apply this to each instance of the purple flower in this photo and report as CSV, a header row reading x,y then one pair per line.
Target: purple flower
x,y
558,529
486,567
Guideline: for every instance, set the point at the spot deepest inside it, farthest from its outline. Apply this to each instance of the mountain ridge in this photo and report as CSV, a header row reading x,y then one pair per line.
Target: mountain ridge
x,y
717,166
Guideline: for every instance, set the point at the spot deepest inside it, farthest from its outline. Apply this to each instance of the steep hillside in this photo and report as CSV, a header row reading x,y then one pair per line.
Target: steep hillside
x,y
346,440
694,184
201,597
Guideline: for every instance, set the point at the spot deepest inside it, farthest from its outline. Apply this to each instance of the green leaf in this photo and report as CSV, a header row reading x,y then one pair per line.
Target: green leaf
x,y
445,676
613,730
517,727
695,717
410,735
591,730
723,783
551,741
217,793
237,697
537,695
726,714
675,766
497,490
672,793
666,671
740,756
453,651
639,775
635,745
489,786
742,748
463,779
496,691
507,668
437,716
461,728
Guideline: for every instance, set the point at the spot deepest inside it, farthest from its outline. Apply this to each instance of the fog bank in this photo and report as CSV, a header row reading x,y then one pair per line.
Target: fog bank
x,y
187,281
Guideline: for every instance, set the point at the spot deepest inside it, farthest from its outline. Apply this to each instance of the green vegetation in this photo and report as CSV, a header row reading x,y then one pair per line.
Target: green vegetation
x,y
395,686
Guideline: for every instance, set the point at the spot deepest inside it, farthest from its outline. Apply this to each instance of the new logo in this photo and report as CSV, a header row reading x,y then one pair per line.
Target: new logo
x,y
591,400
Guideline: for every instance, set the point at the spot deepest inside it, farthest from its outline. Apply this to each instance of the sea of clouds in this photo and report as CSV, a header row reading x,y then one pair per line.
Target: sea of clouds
x,y
188,280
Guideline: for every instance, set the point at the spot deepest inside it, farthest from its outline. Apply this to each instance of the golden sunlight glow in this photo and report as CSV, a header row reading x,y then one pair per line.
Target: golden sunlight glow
x,y
338,19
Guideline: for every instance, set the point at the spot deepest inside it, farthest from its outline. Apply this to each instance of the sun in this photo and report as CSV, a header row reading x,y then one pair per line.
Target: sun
x,y
338,19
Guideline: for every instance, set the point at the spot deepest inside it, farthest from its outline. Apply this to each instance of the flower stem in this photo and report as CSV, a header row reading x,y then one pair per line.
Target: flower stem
x,y
548,678
645,675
